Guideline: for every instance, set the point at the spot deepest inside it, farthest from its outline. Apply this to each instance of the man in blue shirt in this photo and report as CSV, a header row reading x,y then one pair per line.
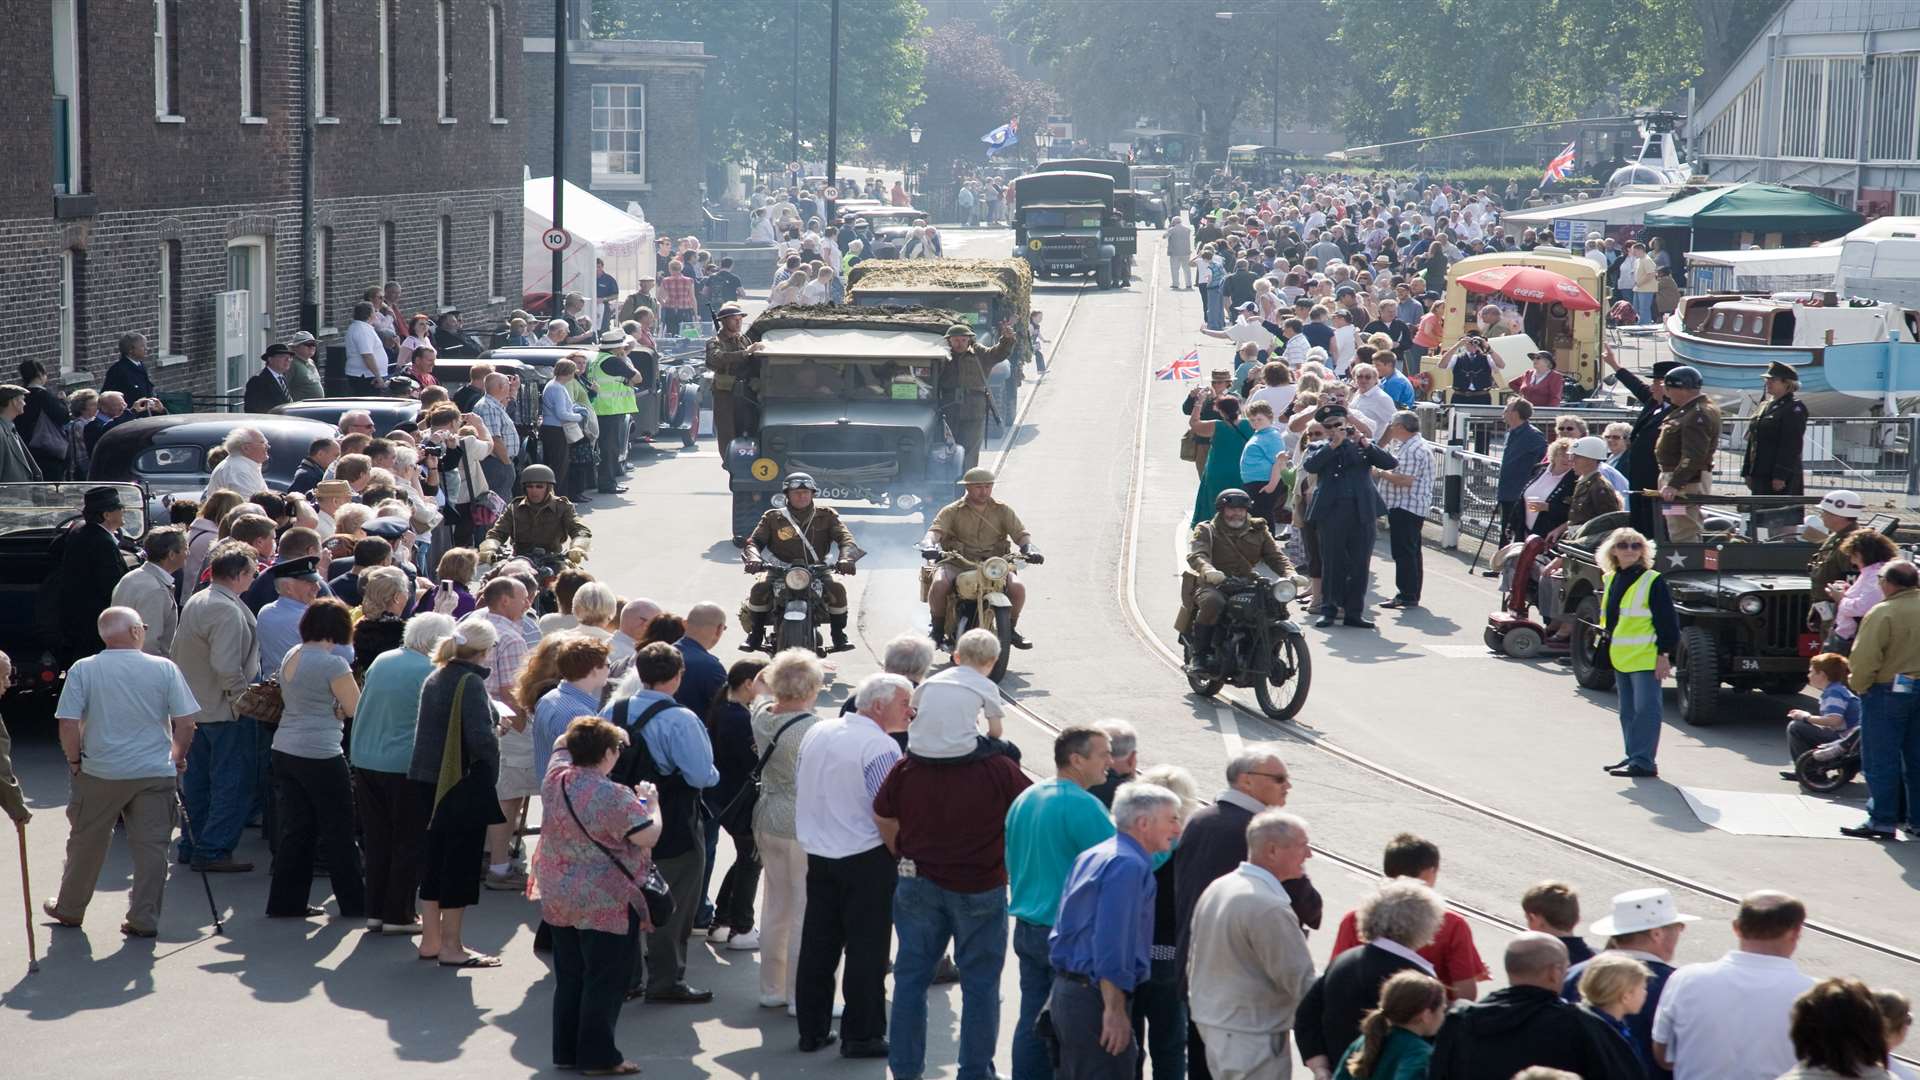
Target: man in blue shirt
x,y
1397,386
1102,941
677,741
1524,448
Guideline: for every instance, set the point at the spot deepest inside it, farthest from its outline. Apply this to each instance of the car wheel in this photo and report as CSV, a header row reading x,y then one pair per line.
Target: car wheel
x,y
1697,676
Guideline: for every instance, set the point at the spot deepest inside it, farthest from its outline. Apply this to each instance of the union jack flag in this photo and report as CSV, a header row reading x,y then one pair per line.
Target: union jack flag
x,y
1560,166
1184,369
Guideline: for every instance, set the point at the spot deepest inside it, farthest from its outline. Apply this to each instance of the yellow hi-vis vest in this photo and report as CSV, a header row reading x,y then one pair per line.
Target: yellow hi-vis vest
x,y
612,397
1633,646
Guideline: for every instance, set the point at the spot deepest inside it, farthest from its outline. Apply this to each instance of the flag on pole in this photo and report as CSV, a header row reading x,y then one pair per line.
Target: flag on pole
x,y
1560,166
1185,369
1000,138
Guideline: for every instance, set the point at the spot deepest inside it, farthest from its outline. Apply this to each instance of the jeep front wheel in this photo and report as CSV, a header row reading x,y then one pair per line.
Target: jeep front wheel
x,y
1697,676
1587,652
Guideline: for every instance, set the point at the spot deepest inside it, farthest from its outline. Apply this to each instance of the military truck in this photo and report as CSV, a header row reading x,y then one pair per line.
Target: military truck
x,y
1742,592
986,292
854,397
1121,229
1062,223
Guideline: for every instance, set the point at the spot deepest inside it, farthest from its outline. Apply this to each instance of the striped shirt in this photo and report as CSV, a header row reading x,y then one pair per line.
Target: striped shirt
x,y
1414,458
833,815
499,423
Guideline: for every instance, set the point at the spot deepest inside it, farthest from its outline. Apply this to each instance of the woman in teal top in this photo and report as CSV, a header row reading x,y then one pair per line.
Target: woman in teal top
x,y
1229,436
1393,1038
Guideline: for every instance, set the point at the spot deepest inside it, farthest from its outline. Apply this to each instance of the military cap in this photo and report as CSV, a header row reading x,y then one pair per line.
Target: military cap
x,y
1779,370
304,569
1329,412
959,330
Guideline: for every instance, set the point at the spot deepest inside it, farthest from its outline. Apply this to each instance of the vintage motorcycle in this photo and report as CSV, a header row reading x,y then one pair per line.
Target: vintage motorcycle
x,y
799,602
1257,645
979,597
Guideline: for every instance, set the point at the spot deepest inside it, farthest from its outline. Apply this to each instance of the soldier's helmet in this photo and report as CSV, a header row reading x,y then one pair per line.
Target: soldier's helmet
x,y
536,474
979,474
1683,378
1232,497
799,480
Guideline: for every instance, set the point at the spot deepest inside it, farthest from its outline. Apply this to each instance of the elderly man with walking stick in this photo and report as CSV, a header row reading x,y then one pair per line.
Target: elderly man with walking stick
x,y
15,804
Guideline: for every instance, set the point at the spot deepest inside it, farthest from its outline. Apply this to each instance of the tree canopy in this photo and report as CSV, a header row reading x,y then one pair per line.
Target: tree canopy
x,y
970,90
748,103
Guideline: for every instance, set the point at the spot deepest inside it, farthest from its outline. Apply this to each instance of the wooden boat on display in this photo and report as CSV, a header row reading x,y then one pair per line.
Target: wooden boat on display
x,y
1854,356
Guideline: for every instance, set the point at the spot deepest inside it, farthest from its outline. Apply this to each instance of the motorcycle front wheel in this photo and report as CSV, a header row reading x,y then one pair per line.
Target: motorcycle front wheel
x,y
1293,664
794,634
1001,623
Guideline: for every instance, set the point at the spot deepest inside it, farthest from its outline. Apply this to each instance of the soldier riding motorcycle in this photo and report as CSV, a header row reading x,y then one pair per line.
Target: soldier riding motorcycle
x,y
540,520
1232,622
976,534
790,546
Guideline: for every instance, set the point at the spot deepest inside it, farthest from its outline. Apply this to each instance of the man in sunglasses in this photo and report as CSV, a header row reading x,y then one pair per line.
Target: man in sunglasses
x,y
1346,511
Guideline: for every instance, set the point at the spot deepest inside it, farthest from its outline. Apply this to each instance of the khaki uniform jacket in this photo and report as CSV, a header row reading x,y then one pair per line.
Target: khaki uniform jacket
x,y
218,650
965,379
1247,965
1688,437
1592,496
1888,643
149,590
550,525
731,363
1829,564
821,525
1213,546
978,533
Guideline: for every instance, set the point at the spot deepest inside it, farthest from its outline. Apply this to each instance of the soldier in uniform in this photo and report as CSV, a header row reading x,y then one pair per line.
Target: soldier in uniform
x,y
1771,465
800,532
735,364
1684,450
965,385
539,520
1229,545
1642,473
978,527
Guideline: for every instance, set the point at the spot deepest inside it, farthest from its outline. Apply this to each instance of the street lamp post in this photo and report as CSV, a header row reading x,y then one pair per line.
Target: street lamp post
x,y
1278,62
913,137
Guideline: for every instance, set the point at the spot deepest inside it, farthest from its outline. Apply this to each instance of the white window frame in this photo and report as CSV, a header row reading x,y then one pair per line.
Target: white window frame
x,y
389,241
443,248
163,315
1906,203
496,247
443,49
322,259
322,85
384,15
69,314
164,91
603,136
496,36
66,70
249,108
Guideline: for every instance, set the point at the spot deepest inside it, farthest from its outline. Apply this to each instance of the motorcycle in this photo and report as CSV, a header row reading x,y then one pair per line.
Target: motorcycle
x,y
799,602
1831,766
979,598
1256,645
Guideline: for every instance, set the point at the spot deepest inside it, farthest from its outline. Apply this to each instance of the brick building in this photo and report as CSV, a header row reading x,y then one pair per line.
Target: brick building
x,y
633,131
169,169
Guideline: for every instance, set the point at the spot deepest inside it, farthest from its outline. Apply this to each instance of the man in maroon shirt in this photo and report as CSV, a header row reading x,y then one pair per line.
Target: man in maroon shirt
x,y
946,819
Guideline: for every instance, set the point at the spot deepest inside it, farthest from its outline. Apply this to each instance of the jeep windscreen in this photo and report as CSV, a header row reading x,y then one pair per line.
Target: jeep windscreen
x,y
40,508
846,380
1051,217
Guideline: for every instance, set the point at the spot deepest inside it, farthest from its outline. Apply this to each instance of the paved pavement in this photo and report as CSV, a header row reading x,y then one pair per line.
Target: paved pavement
x,y
302,999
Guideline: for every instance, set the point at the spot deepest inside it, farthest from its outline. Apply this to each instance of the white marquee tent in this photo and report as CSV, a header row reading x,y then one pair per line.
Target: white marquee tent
x,y
599,230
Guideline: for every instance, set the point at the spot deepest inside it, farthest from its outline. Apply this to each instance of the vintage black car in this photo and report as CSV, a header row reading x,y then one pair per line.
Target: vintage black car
x,y
1743,595
1063,224
167,455
851,396
1120,229
389,413
31,515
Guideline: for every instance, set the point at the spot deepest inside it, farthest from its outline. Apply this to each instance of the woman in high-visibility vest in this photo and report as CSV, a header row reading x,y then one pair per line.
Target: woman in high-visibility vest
x,y
1640,631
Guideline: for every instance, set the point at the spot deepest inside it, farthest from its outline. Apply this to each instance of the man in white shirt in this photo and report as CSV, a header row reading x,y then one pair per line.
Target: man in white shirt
x,y
1247,330
1370,401
366,355
1596,253
150,590
1728,1019
247,451
850,872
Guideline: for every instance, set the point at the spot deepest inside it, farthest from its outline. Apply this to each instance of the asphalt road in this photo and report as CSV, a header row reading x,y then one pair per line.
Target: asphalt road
x,y
1505,756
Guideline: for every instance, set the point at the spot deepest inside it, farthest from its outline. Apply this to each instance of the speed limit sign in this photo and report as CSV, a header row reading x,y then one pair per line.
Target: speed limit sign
x,y
555,239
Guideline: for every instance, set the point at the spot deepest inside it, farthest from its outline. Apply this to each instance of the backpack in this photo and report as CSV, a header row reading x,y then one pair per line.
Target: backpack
x,y
678,800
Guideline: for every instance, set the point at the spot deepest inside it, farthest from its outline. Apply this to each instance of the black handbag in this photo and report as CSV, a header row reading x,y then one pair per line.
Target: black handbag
x,y
654,891
737,816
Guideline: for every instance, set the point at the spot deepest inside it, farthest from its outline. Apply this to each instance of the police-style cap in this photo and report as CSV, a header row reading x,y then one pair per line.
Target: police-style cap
x,y
388,528
1329,412
1778,370
1684,378
306,569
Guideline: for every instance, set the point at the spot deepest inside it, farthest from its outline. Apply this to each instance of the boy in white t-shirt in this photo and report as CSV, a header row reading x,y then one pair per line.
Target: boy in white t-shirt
x,y
948,706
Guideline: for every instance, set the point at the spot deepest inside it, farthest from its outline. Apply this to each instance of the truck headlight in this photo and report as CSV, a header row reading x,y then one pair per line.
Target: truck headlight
x,y
1751,605
798,578
1033,245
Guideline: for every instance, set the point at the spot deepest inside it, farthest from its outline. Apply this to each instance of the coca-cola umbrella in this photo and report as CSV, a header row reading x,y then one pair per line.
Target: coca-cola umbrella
x,y
1531,285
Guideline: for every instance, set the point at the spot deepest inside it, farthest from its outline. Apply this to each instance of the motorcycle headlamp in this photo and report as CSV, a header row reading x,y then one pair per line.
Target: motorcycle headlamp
x,y
994,569
1284,590
798,578
1751,604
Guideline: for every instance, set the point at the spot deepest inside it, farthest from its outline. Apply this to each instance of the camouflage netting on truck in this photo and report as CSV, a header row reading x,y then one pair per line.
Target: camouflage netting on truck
x,y
1014,276
852,317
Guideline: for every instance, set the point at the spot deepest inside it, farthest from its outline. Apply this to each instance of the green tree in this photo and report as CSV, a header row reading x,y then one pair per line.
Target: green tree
x,y
970,90
748,103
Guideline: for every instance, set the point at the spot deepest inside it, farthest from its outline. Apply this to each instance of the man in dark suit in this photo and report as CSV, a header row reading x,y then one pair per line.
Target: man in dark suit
x,y
1214,844
128,374
1346,510
88,566
1643,473
1524,448
450,342
268,387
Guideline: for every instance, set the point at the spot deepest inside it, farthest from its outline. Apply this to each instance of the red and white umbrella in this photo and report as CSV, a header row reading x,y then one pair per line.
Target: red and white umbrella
x,y
1531,285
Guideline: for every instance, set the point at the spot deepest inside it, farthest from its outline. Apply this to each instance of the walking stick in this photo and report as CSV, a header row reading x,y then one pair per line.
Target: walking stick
x,y
186,823
26,899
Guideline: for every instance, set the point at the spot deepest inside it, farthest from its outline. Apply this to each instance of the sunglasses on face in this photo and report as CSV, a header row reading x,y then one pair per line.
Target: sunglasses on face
x,y
1629,545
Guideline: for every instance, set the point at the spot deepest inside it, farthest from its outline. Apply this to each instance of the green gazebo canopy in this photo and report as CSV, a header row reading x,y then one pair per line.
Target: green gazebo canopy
x,y
1754,208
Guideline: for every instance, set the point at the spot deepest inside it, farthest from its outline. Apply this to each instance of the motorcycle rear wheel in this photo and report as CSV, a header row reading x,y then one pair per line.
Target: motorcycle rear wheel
x,y
1290,651
1206,685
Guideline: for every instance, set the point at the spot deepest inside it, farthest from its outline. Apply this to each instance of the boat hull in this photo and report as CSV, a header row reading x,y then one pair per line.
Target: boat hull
x,y
1835,380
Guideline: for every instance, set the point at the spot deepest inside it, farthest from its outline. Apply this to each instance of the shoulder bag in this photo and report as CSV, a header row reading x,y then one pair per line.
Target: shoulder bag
x,y
737,816
653,890
47,436
263,701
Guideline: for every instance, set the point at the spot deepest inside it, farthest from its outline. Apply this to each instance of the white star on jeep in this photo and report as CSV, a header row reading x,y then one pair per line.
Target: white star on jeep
x,y
1678,562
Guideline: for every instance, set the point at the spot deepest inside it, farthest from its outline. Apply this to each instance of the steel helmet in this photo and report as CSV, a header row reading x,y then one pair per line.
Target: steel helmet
x,y
536,474
1683,378
1592,447
1232,497
800,480
979,474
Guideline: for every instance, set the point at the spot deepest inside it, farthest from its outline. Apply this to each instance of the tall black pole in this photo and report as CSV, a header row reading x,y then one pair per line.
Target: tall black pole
x,y
794,154
833,94
309,301
560,31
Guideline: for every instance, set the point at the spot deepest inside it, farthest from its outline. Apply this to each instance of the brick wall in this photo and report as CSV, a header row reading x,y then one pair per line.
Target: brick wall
x,y
212,178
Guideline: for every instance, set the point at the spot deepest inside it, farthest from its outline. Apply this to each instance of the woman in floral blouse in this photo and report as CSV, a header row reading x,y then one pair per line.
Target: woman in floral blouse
x,y
594,848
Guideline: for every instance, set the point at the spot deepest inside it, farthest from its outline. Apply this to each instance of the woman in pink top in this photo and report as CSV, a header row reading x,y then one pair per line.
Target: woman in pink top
x,y
1541,384
595,842
419,335
1869,551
